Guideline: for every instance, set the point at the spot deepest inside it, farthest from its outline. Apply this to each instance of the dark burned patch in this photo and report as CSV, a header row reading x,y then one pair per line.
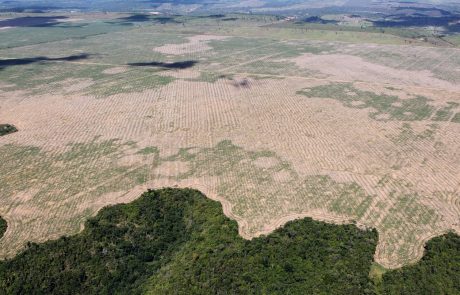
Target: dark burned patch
x,y
28,60
168,65
32,21
7,129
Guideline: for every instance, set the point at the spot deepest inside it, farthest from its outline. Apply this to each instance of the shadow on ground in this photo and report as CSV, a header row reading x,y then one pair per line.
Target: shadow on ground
x,y
4,63
167,65
450,23
148,18
32,21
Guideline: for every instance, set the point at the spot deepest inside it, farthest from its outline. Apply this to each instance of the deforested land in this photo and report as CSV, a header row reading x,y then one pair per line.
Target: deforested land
x,y
276,118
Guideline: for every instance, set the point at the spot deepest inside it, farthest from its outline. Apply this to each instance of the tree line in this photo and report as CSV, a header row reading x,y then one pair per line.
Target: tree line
x,y
177,241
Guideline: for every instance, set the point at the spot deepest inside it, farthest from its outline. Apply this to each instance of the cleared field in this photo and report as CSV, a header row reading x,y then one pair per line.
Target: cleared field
x,y
275,128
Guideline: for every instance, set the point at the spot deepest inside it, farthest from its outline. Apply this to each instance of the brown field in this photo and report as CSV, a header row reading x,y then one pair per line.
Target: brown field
x,y
274,129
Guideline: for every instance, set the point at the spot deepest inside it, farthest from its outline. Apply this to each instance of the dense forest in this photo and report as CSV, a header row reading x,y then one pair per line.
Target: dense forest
x,y
438,272
177,241
3,226
7,129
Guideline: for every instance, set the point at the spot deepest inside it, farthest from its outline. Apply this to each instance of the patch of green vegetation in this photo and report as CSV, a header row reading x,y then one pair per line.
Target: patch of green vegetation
x,y
418,214
406,220
387,107
445,113
211,77
48,77
176,241
238,44
408,135
272,188
47,34
269,67
59,77
134,81
437,272
453,38
3,227
7,129
265,77
376,273
456,118
148,150
391,88
265,195
258,55
66,179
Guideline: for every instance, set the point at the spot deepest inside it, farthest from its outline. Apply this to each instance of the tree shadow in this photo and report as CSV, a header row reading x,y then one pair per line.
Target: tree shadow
x,y
173,65
166,20
32,21
450,23
147,18
4,63
136,18
317,20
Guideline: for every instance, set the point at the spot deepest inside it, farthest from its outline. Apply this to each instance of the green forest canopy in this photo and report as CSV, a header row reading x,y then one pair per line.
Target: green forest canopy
x,y
7,129
177,241
3,226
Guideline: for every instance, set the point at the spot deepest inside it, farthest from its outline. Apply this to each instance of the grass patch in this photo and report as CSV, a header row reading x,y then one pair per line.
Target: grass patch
x,y
258,170
44,35
135,81
408,136
211,77
387,107
59,77
64,180
148,150
456,118
445,113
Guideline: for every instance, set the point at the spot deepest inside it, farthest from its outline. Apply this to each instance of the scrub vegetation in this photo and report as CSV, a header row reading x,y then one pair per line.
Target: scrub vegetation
x,y
384,106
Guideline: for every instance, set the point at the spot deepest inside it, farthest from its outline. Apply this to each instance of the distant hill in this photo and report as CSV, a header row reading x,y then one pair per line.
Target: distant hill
x,y
198,6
